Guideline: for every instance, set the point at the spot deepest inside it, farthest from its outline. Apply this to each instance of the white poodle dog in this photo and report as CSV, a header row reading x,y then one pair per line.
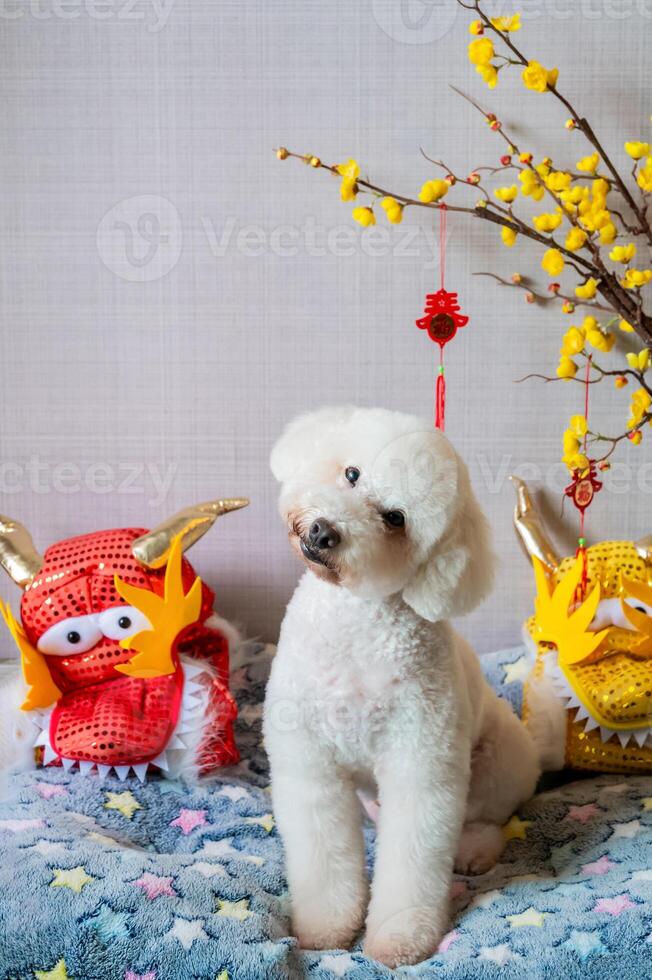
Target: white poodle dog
x,y
372,690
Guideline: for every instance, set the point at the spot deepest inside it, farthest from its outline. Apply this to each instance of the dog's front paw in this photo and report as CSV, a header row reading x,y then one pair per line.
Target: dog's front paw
x,y
324,931
328,922
406,938
480,847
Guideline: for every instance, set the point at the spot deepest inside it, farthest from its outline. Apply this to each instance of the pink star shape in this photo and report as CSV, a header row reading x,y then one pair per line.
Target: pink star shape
x,y
448,941
582,813
189,819
48,790
599,867
614,906
130,975
154,887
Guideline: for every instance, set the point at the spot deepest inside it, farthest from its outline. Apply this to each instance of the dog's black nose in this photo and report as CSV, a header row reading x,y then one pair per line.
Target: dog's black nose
x,y
323,535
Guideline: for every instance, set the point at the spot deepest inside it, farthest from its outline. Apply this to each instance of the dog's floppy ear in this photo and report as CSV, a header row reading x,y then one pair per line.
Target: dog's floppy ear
x,y
458,572
304,435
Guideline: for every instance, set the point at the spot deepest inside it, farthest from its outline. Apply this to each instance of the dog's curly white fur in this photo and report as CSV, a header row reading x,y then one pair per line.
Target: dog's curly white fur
x,y
371,689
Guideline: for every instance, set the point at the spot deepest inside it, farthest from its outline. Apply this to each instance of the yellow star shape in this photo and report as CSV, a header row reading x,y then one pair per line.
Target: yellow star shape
x,y
233,910
516,829
266,821
125,802
528,918
58,972
73,878
222,976
647,802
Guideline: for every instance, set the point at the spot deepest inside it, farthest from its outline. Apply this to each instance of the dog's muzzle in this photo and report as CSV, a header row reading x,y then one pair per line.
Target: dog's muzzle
x,y
322,538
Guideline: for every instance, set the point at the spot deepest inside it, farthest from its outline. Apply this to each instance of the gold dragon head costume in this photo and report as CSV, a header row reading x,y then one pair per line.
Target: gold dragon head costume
x,y
593,649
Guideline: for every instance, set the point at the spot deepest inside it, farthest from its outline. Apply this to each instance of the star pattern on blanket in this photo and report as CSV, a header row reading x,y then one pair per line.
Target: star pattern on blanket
x,y
208,870
125,803
109,924
646,802
582,813
58,972
155,885
72,878
614,906
233,910
48,791
21,826
338,964
187,931
233,793
517,671
585,944
600,867
498,954
223,849
448,940
266,821
626,830
189,820
130,975
516,829
530,917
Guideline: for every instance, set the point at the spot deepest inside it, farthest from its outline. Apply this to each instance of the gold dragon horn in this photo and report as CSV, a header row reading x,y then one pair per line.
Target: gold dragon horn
x,y
530,530
152,549
18,556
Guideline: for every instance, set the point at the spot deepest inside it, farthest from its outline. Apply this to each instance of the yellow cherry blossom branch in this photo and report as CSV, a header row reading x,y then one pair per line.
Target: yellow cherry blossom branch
x,y
582,123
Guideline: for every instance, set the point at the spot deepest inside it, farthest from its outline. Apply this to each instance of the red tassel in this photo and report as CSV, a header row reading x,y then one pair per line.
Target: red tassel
x,y
440,400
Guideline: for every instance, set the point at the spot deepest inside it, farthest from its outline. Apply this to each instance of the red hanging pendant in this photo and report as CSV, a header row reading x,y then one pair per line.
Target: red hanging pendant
x,y
441,320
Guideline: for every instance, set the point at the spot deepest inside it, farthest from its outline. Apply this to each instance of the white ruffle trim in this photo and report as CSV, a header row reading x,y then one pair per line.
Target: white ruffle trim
x,y
181,750
564,691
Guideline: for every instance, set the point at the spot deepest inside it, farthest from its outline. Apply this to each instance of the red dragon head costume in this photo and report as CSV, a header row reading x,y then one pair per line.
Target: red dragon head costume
x,y
125,663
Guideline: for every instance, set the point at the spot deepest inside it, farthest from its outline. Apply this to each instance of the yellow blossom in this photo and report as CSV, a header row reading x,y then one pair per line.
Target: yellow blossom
x,y
552,262
488,74
512,23
636,150
625,326
349,173
507,194
578,425
636,437
600,339
634,278
433,190
587,290
575,194
620,381
566,368
393,210
364,216
481,51
476,27
640,404
608,233
644,177
623,253
575,239
640,361
537,78
546,222
573,341
531,185
588,164
508,235
600,188
570,442
544,168
558,180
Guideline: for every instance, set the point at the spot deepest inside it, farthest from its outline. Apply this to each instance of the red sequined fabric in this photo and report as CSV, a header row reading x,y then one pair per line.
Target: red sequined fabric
x,y
104,716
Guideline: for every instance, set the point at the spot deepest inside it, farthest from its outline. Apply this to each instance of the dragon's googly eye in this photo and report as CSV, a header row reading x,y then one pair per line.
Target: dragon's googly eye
x,y
121,622
74,635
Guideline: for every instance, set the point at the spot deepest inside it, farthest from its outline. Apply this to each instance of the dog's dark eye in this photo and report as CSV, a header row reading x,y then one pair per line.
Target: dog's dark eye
x,y
395,518
352,473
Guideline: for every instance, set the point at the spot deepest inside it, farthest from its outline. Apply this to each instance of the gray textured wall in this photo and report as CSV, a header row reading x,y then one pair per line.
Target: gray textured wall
x,y
148,362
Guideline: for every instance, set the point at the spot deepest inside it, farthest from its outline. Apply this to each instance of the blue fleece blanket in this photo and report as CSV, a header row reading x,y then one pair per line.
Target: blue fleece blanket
x,y
122,881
